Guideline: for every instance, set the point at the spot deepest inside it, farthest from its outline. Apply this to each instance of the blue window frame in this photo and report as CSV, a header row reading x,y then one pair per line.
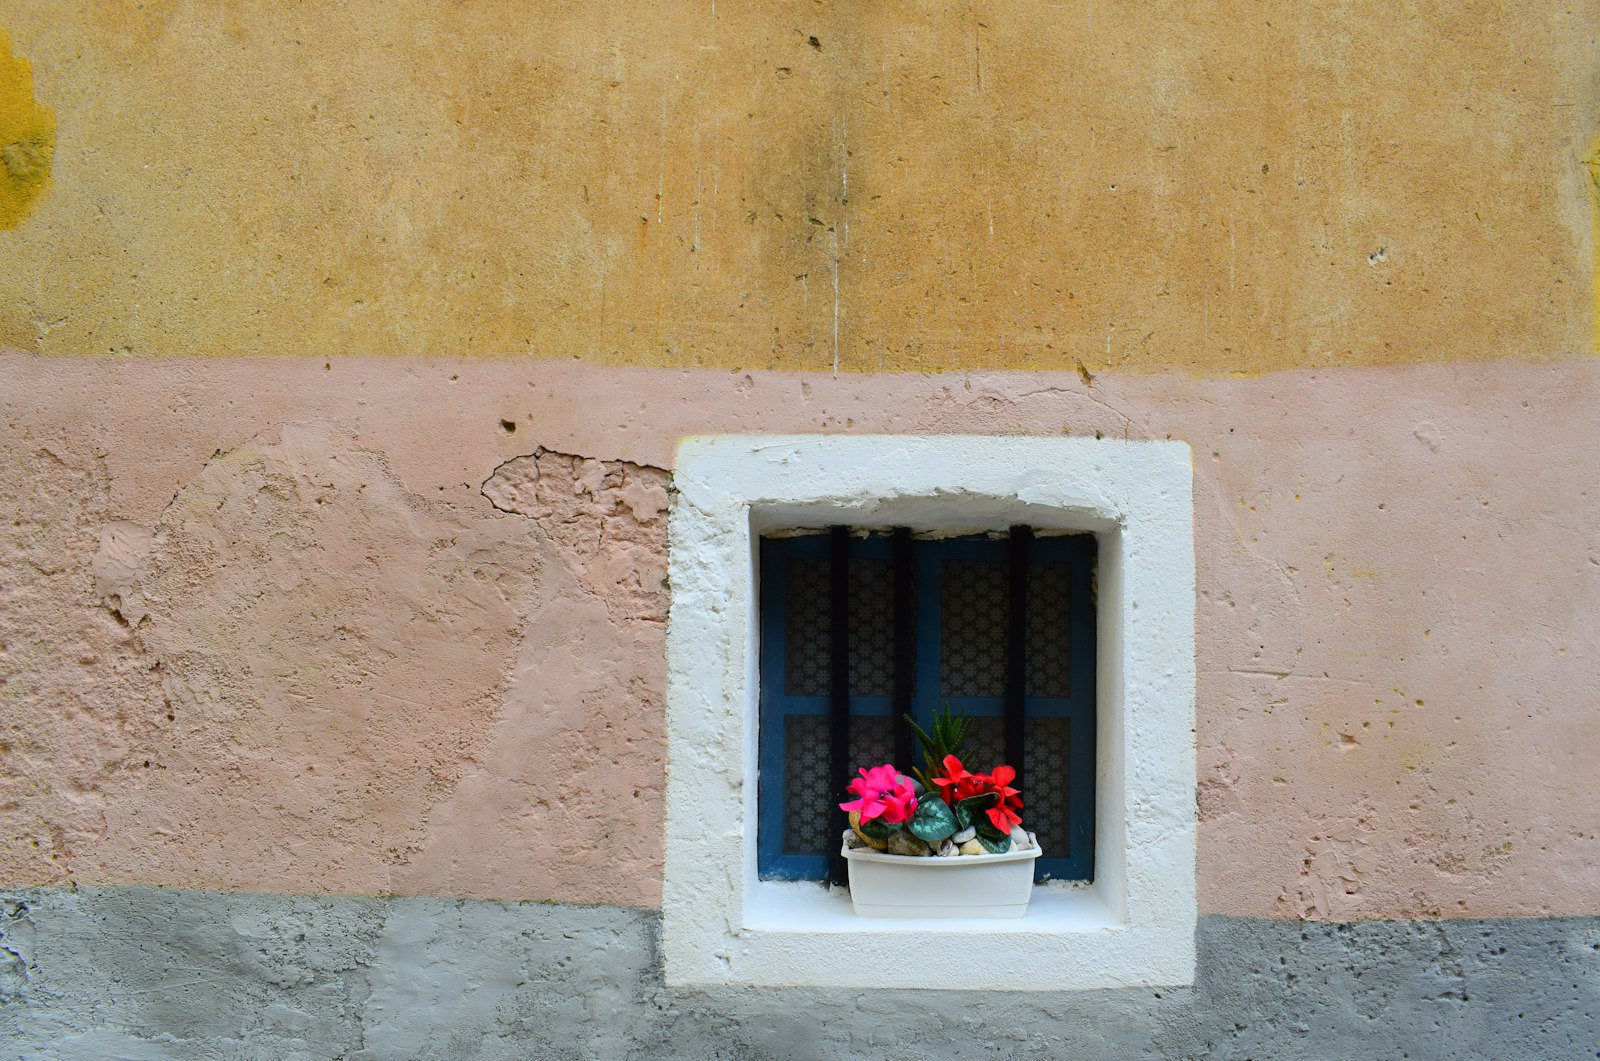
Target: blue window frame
x,y
962,626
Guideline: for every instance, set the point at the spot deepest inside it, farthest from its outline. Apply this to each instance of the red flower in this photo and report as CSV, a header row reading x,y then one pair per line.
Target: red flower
x,y
956,784
1003,815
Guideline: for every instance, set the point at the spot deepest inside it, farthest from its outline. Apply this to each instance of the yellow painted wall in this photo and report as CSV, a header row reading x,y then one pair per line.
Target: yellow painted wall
x,y
1223,187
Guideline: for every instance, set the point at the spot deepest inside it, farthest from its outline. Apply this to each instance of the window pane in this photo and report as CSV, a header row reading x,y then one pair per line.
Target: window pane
x,y
808,796
1046,778
972,628
807,628
1049,632
872,742
872,631
805,784
986,746
810,627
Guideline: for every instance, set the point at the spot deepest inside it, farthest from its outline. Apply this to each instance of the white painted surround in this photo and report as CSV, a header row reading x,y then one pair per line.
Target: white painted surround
x,y
1134,926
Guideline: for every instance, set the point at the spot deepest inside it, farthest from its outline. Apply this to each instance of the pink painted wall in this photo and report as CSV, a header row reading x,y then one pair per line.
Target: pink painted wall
x,y
329,626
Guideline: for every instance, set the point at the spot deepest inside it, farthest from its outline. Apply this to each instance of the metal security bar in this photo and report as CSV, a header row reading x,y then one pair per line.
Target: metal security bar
x,y
905,646
1018,543
839,687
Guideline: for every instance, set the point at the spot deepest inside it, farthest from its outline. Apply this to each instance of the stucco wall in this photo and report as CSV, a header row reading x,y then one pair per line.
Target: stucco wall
x,y
149,974
407,650
1223,186
347,348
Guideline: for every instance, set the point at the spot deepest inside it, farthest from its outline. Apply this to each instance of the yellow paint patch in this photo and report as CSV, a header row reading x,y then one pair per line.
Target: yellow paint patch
x,y
27,139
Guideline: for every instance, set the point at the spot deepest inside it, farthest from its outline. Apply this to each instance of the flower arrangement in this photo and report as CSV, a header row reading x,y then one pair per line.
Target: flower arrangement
x,y
943,810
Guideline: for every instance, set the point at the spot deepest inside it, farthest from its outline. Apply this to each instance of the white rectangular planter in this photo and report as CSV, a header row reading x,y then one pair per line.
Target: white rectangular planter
x,y
989,886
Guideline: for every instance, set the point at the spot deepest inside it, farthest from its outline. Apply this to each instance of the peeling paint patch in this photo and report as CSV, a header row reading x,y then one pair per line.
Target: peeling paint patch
x,y
1335,869
604,516
123,547
27,138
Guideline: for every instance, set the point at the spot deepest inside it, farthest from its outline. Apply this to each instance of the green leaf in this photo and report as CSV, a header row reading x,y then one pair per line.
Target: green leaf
x,y
933,821
970,810
878,829
994,847
963,730
929,742
948,736
985,827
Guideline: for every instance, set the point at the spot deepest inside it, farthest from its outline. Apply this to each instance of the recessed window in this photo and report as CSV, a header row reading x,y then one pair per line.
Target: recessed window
x,y
998,626
1127,919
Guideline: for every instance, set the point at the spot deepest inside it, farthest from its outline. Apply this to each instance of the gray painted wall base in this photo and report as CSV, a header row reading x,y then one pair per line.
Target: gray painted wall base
x,y
145,973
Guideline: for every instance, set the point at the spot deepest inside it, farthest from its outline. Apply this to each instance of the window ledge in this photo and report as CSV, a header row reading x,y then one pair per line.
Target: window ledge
x,y
1071,939
802,906
1134,927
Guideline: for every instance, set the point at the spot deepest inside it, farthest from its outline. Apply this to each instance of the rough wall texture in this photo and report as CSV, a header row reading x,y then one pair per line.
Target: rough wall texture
x,y
1226,186
294,675
148,974
438,671
348,347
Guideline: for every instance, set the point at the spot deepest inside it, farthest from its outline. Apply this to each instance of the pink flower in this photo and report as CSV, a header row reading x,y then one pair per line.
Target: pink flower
x,y
882,793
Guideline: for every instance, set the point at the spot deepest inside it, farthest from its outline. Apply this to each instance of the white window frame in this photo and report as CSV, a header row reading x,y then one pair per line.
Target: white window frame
x,y
1133,926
